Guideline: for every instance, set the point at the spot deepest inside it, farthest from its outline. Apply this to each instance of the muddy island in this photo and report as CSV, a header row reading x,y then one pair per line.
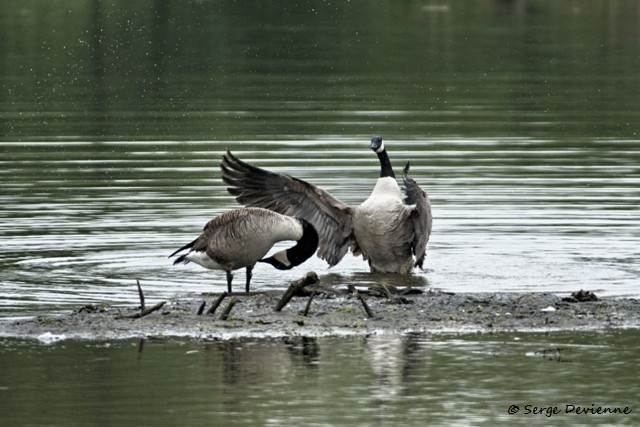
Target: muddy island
x,y
309,308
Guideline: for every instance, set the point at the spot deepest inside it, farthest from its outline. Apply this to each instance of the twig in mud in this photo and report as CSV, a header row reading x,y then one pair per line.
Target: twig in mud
x,y
146,311
217,302
382,290
294,287
143,311
227,309
141,294
362,299
313,294
201,308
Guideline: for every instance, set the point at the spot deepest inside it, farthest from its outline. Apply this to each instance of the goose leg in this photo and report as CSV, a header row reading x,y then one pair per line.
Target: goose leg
x,y
249,275
229,279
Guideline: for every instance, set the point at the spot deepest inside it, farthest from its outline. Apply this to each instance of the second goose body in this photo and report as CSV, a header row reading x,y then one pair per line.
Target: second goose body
x,y
242,237
390,229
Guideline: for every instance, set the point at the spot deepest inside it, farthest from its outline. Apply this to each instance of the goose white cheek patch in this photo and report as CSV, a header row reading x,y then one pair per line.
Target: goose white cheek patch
x,y
282,257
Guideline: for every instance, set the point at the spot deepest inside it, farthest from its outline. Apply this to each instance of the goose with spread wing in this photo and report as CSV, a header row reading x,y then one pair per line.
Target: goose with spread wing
x,y
242,237
390,229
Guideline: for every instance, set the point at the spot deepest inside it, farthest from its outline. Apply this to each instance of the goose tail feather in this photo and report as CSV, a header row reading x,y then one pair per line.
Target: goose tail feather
x,y
182,258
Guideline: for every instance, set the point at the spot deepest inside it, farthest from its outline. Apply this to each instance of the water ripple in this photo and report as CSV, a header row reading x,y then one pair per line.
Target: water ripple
x,y
81,221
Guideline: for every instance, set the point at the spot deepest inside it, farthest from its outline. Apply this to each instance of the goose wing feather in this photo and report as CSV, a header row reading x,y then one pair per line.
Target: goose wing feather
x,y
218,230
257,228
256,187
420,217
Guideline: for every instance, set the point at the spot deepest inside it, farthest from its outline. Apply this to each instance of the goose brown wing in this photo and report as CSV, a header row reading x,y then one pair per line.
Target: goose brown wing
x,y
256,187
420,217
218,225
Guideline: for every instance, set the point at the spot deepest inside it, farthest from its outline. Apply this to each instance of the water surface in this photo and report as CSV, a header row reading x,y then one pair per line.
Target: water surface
x,y
519,119
82,221
359,381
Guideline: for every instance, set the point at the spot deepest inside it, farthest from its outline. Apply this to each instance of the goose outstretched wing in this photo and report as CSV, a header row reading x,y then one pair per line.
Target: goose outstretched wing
x,y
420,217
253,186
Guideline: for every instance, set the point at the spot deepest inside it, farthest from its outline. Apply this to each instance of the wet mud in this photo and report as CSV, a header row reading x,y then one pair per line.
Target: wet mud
x,y
336,311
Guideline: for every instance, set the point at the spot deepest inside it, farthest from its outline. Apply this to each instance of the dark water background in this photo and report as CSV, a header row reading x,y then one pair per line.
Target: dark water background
x,y
380,380
520,118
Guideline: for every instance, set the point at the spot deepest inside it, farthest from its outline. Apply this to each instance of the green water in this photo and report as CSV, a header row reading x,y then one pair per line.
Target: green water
x,y
364,381
520,118
223,70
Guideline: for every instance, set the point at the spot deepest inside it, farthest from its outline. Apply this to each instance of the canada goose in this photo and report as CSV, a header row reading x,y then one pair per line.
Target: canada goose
x,y
390,230
242,237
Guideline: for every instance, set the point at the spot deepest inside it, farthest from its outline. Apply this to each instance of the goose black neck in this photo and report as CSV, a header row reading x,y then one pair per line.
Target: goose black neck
x,y
296,255
385,165
305,247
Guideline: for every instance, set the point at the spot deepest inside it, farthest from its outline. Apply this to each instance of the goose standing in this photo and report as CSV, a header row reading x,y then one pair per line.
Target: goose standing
x,y
389,229
242,237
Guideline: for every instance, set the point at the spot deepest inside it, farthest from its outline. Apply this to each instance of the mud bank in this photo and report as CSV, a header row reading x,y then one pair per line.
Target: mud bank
x,y
339,312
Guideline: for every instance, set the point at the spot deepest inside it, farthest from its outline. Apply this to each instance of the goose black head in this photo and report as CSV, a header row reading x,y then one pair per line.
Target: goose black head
x,y
377,144
296,255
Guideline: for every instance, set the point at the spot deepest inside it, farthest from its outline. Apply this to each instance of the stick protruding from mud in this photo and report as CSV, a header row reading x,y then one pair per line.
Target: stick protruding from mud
x,y
143,310
147,311
140,294
309,279
217,302
227,310
313,294
362,299
201,308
